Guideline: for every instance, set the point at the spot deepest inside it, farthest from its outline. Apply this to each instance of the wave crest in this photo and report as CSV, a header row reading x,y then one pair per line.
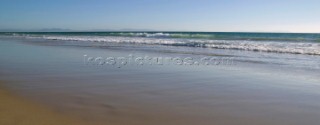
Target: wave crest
x,y
262,46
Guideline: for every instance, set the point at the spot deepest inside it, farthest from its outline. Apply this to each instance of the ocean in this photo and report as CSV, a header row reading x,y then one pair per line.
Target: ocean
x,y
295,43
289,50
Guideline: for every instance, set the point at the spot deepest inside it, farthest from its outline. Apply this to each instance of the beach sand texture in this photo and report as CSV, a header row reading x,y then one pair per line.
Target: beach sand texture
x,y
15,110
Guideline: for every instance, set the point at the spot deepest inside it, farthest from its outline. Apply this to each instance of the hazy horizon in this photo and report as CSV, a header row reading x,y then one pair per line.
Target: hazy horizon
x,y
136,30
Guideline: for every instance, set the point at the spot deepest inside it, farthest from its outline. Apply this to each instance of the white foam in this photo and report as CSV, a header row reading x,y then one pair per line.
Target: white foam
x,y
264,46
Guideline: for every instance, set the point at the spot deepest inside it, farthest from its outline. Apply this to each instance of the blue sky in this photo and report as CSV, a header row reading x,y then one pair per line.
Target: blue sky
x,y
163,15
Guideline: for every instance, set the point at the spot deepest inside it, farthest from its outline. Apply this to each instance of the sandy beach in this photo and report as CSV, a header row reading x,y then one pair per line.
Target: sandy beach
x,y
50,84
15,110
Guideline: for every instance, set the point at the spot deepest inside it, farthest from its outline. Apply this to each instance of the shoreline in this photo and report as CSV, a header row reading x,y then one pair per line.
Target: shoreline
x,y
56,77
15,110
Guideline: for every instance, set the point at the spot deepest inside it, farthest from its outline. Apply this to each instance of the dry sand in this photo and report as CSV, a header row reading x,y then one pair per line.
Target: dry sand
x,y
15,110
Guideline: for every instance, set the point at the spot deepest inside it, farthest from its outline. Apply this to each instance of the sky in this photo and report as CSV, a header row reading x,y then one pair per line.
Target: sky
x,y
162,15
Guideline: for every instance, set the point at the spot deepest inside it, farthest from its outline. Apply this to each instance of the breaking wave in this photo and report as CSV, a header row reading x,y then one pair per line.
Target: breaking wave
x,y
268,42
262,46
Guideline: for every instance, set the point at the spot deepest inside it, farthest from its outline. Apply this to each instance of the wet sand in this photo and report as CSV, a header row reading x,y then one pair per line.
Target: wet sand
x,y
56,77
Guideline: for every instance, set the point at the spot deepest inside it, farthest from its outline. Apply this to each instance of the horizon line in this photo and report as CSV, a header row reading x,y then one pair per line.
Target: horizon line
x,y
168,31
